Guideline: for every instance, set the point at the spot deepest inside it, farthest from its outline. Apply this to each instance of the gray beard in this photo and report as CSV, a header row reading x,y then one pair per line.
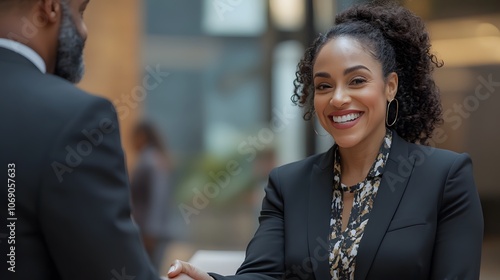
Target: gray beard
x,y
69,63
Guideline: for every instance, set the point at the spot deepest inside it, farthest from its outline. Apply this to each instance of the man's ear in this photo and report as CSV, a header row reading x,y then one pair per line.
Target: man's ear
x,y
50,10
391,86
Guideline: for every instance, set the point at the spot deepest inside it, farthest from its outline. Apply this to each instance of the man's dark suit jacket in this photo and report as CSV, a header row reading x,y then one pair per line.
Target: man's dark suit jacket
x,y
426,222
71,187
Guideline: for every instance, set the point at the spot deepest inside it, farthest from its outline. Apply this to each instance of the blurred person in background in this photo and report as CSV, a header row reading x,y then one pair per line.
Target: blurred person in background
x,y
61,154
380,204
151,190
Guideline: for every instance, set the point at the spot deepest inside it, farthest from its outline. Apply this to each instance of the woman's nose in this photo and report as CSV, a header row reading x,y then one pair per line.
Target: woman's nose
x,y
340,97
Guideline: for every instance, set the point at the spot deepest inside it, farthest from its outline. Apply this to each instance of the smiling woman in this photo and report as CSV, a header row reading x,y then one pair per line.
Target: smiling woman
x,y
399,41
379,204
351,90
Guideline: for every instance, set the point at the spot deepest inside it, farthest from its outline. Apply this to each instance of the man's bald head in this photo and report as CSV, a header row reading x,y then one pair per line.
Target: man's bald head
x,y
9,5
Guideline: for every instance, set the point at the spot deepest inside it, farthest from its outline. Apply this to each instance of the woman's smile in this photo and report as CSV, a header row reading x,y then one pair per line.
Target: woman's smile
x,y
345,119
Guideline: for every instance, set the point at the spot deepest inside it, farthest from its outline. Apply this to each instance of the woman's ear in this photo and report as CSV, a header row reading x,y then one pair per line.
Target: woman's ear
x,y
391,86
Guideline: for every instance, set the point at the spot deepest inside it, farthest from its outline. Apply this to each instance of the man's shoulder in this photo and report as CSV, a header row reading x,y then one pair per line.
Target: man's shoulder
x,y
58,90
51,102
56,96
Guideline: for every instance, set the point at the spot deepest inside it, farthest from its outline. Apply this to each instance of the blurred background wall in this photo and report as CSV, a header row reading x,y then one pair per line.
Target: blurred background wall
x,y
215,76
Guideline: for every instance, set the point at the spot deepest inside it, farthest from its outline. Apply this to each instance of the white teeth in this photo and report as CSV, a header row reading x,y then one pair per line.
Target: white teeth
x,y
346,118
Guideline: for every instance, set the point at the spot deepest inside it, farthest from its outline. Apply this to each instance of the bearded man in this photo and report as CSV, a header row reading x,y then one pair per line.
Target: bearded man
x,y
64,196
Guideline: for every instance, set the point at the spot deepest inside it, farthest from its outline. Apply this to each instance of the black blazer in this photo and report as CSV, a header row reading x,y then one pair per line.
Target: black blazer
x,y
426,222
71,187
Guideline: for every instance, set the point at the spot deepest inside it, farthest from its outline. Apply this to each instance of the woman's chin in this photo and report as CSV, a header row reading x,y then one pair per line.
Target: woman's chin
x,y
345,141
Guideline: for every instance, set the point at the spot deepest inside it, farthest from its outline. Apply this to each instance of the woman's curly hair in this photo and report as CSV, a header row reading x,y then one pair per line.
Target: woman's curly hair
x,y
397,38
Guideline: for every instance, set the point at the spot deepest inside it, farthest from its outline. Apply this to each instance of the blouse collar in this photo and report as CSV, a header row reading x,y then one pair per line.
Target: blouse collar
x,y
376,169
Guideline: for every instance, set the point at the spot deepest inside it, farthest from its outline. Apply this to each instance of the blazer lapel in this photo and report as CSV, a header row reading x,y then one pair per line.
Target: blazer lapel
x,y
319,208
394,180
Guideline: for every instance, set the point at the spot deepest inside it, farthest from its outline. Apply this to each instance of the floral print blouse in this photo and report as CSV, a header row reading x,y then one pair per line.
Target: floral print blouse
x,y
344,244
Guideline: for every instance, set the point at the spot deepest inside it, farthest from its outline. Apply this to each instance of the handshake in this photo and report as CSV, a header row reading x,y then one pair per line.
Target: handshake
x,y
185,271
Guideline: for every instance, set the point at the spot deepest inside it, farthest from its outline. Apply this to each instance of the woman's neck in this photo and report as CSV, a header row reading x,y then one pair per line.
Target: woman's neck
x,y
356,161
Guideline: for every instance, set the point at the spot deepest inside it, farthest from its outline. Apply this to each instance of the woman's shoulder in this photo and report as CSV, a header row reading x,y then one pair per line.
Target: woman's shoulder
x,y
306,165
424,153
434,153
437,160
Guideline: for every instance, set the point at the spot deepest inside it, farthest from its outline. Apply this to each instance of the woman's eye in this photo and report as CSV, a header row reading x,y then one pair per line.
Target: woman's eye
x,y
322,87
358,81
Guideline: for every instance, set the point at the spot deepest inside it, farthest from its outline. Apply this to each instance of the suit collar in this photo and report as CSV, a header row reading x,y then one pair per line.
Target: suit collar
x,y
394,180
14,52
326,160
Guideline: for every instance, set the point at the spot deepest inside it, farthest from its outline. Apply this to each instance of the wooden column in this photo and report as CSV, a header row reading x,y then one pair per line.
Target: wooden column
x,y
112,58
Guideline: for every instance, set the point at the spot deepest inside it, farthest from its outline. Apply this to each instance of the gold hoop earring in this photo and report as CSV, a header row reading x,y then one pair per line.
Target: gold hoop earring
x,y
387,113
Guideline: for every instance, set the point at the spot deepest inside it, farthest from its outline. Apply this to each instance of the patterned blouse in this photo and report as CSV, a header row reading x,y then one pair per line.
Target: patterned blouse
x,y
344,244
